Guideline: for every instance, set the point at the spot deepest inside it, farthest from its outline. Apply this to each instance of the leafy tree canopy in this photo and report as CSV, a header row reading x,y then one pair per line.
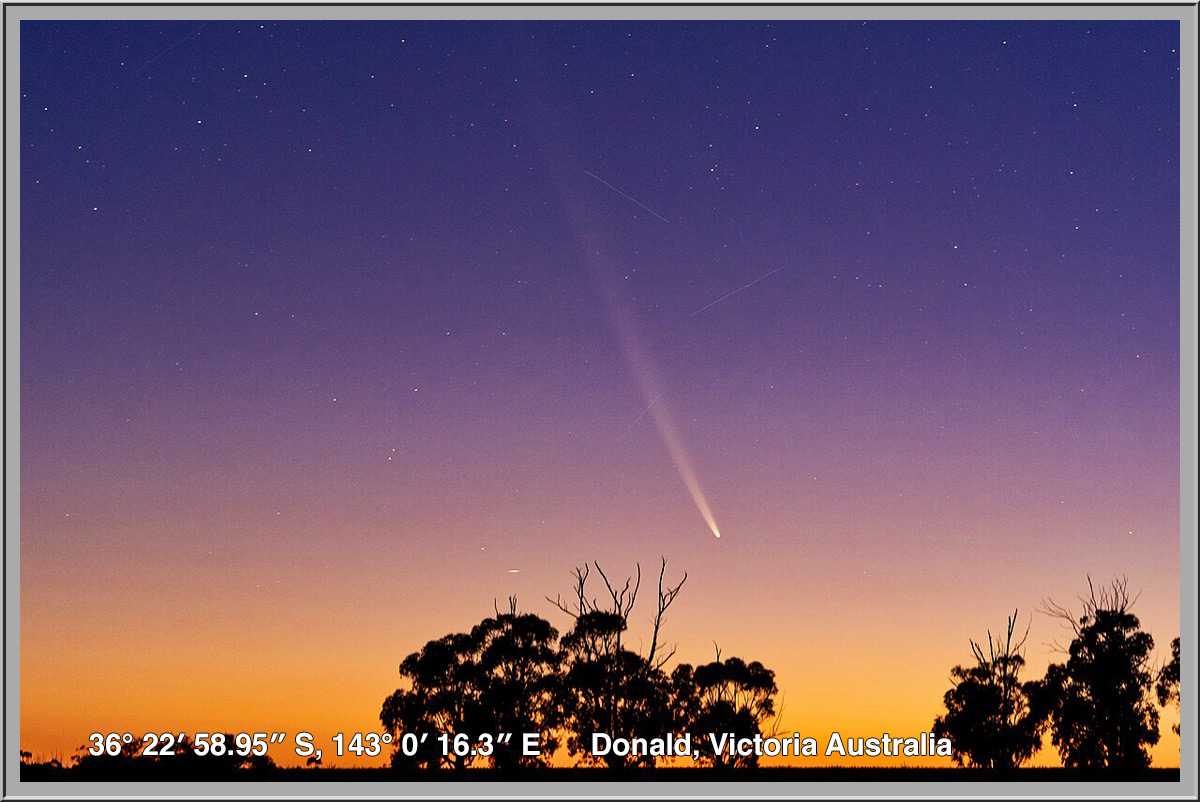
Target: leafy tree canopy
x,y
1098,702
989,719
731,697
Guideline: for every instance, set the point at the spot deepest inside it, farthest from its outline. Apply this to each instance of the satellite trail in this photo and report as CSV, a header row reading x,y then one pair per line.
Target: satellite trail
x,y
735,292
169,49
639,417
623,195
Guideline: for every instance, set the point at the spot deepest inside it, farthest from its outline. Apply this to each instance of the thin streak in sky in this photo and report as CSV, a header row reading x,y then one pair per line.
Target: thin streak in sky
x,y
170,48
623,195
735,292
639,417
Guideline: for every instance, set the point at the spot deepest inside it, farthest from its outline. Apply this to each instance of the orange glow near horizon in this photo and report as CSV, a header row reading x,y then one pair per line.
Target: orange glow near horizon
x,y
297,648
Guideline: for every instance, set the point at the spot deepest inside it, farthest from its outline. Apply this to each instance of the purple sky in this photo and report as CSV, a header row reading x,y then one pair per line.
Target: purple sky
x,y
327,327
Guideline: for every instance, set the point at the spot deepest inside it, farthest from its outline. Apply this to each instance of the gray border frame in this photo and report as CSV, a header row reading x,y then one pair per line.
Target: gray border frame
x,y
1186,14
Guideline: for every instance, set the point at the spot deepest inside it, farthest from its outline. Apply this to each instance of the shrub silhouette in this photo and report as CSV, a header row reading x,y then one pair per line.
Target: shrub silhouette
x,y
183,763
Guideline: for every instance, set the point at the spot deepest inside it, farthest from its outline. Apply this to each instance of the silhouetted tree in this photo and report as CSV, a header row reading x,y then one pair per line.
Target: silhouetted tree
x,y
520,683
989,719
1098,702
731,697
442,697
1168,681
606,687
499,677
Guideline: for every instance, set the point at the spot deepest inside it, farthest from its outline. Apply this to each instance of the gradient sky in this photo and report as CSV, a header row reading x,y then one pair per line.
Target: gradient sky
x,y
328,328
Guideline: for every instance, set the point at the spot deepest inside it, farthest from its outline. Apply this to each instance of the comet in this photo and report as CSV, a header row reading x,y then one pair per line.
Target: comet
x,y
645,374
639,361
683,465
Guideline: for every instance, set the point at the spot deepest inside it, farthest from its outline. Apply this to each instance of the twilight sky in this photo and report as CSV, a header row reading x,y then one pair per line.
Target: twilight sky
x,y
327,329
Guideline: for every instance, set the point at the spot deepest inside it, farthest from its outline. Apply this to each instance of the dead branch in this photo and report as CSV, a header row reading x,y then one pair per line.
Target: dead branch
x,y
666,658
623,601
777,717
581,603
1112,598
665,598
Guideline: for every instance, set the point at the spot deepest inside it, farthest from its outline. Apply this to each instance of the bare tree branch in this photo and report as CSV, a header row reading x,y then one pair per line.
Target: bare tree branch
x,y
666,658
777,718
581,603
1113,598
665,598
